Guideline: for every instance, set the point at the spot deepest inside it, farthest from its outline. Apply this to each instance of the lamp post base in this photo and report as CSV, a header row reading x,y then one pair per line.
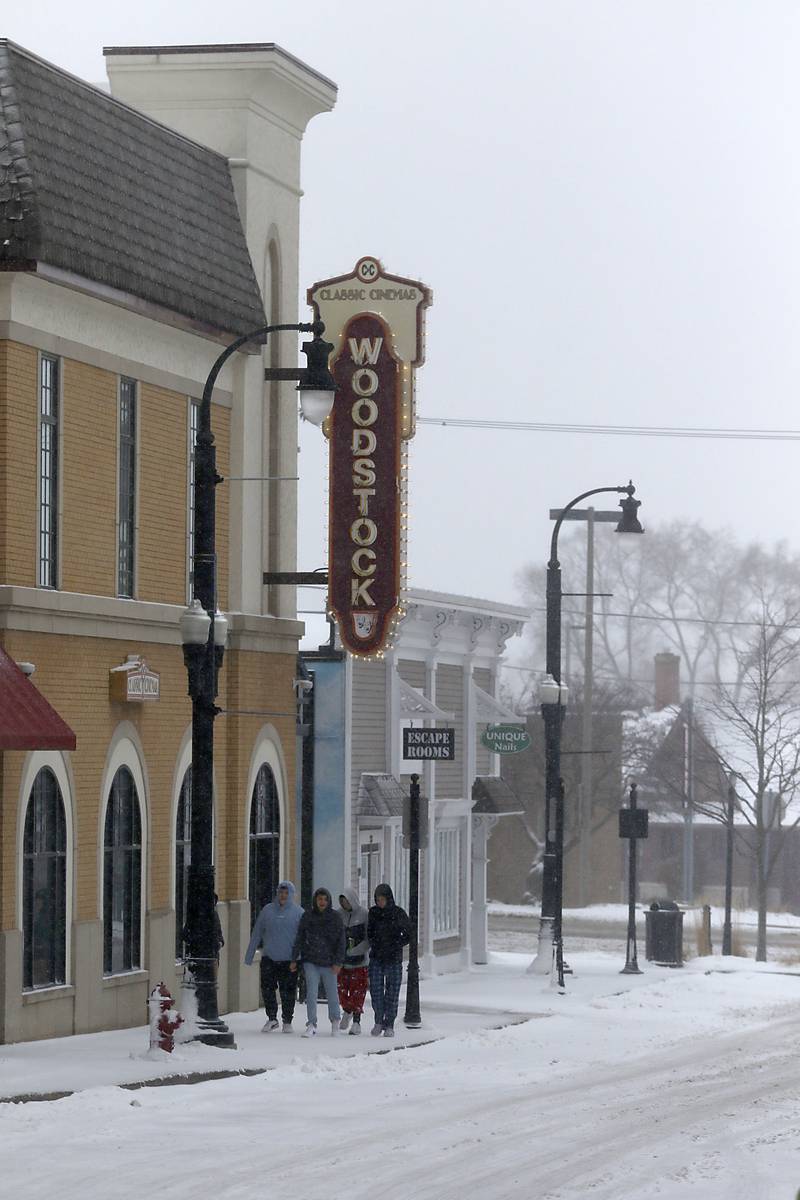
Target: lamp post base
x,y
542,963
199,1008
214,1033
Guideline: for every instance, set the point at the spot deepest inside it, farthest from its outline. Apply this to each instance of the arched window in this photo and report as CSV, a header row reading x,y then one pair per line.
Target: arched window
x,y
122,877
265,836
183,857
44,885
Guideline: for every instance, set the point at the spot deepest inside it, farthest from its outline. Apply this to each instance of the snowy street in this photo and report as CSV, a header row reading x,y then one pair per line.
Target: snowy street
x,y
672,1084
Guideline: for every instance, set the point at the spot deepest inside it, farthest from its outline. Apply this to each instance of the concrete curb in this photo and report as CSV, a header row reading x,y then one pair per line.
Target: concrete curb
x,y
193,1077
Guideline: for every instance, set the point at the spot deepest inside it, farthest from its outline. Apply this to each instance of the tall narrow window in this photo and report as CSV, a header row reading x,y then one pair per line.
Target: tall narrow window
x,y
265,836
127,487
48,471
445,883
183,858
401,867
44,885
122,877
194,419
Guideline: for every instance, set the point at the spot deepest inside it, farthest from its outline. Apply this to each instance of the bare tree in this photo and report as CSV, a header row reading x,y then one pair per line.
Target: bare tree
x,y
681,587
755,728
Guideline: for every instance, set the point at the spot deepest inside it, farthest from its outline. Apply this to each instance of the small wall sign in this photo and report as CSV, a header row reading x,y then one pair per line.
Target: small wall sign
x,y
506,739
133,682
429,745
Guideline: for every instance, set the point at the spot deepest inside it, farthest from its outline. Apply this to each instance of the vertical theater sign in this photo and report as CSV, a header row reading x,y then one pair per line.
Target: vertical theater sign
x,y
375,322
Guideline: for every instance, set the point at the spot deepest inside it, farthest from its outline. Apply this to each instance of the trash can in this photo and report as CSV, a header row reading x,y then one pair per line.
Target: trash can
x,y
664,934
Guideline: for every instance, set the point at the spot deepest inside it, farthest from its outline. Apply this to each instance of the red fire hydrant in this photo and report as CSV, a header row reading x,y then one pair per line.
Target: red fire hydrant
x,y
164,1019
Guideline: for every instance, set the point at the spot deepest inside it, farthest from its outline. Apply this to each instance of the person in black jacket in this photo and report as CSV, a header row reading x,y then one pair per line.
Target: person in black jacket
x,y
388,931
321,945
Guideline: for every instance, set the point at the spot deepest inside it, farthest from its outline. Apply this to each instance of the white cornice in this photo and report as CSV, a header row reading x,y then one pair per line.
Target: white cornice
x,y
38,610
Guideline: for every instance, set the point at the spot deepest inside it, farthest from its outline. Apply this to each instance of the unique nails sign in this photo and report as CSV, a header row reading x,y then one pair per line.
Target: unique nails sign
x,y
375,323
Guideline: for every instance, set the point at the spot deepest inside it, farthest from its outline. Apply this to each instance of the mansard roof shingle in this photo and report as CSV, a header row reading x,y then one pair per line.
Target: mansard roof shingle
x,y
92,187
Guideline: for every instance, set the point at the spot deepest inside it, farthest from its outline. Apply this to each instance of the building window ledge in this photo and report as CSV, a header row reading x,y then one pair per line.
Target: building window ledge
x,y
55,991
125,977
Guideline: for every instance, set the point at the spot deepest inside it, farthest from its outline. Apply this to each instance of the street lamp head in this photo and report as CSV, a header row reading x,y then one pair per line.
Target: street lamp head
x,y
629,522
317,386
549,691
194,625
220,629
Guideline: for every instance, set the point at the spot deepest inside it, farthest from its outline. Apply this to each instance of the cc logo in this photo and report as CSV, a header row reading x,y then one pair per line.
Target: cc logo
x,y
368,270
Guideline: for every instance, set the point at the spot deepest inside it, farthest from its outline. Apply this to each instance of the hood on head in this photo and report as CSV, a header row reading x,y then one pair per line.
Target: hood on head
x,y
321,892
291,889
357,914
383,889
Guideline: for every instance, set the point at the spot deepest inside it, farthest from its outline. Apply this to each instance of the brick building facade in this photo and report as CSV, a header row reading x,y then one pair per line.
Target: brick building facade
x,y
125,266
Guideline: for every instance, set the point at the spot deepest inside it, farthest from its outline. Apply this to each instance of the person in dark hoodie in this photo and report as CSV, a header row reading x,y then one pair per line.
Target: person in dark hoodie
x,y
353,977
388,931
274,933
320,944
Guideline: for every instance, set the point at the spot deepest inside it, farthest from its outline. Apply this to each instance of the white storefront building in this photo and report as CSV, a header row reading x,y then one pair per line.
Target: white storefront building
x,y
441,673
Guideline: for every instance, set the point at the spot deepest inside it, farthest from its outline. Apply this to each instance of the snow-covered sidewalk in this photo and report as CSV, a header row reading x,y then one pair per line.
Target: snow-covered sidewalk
x,y
675,1085
483,998
742,918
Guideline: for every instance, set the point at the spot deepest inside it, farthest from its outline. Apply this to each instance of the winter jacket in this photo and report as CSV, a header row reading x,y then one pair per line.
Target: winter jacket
x,y
388,929
276,928
355,928
320,937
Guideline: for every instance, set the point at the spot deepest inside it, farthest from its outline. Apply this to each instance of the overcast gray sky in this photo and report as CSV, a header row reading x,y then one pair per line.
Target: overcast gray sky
x,y
604,197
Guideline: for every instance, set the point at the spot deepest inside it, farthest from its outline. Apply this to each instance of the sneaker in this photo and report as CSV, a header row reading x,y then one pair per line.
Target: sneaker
x,y
287,1027
355,1028
270,1025
388,1031
345,1021
335,1029
311,1030
376,1030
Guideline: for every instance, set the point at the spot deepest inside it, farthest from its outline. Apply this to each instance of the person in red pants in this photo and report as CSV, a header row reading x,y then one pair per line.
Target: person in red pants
x,y
354,976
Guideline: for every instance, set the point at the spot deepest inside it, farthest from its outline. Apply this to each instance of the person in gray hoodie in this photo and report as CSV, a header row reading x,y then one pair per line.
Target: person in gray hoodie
x,y
274,933
354,976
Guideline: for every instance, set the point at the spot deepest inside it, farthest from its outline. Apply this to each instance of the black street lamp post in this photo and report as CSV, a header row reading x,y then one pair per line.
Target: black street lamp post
x,y
553,697
412,1018
727,937
203,634
633,833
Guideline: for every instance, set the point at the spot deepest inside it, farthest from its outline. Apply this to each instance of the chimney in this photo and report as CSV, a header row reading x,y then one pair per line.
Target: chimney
x,y
667,680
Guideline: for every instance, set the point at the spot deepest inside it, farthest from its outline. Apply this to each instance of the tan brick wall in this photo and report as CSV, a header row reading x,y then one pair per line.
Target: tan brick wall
x,y
72,673
261,683
18,422
163,495
88,489
88,480
221,426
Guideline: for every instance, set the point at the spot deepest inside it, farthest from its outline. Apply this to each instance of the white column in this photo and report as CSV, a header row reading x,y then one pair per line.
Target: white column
x,y
481,828
469,779
428,859
469,729
428,958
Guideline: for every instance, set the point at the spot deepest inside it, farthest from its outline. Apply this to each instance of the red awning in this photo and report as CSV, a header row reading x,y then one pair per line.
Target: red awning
x,y
27,721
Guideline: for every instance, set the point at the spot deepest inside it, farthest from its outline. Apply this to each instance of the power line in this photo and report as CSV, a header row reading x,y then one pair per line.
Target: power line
x,y
670,619
669,431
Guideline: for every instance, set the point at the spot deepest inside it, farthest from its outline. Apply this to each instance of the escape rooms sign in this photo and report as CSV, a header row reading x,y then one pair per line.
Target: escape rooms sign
x,y
375,322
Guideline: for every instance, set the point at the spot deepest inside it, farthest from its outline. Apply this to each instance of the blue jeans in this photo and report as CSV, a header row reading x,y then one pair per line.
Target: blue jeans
x,y
384,990
313,976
